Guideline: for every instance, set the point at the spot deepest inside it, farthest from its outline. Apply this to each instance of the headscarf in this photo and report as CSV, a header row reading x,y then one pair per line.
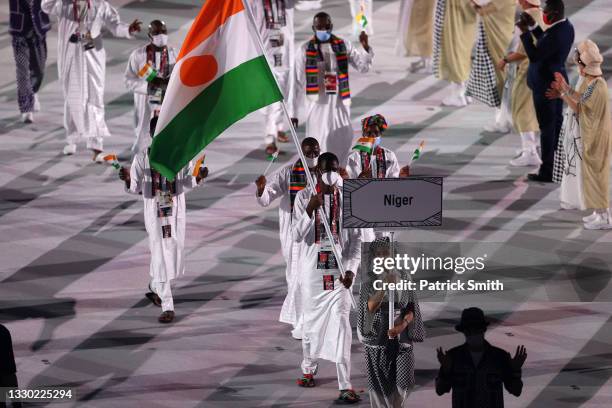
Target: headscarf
x,y
378,120
590,57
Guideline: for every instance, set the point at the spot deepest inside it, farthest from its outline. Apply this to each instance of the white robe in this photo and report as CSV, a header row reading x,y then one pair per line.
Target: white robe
x,y
82,73
326,313
328,117
138,85
354,169
356,6
273,114
167,254
278,187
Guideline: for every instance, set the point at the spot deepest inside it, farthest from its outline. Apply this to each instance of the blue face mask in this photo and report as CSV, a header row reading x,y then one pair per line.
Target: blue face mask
x,y
323,35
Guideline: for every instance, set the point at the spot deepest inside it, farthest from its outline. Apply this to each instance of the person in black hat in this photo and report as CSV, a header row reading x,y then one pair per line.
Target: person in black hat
x,y
476,371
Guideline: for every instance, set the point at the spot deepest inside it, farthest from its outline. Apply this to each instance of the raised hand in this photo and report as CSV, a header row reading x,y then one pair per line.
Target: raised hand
x,y
363,39
261,184
348,279
519,358
444,359
135,26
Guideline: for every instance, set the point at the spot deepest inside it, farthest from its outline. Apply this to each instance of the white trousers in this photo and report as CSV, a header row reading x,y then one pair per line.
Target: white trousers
x,y
164,291
310,366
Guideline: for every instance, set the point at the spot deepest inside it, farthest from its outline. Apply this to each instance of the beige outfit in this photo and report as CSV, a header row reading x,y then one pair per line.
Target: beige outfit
x,y
458,33
523,110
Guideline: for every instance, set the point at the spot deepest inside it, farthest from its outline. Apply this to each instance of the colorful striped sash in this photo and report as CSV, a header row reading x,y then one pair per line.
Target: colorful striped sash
x,y
313,56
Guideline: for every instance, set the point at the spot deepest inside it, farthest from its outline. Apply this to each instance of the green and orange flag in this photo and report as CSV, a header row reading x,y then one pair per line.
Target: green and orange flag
x,y
221,75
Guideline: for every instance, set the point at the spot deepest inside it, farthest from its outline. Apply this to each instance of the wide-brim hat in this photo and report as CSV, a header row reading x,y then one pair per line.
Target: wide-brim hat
x,y
472,318
590,57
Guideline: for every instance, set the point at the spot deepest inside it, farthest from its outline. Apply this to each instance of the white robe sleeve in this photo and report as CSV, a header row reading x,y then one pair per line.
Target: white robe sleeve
x,y
353,165
359,59
112,21
51,6
351,256
302,223
394,168
297,84
278,187
137,174
186,179
131,79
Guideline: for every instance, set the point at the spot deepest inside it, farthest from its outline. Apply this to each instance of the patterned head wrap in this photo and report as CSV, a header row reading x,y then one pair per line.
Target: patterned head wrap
x,y
378,120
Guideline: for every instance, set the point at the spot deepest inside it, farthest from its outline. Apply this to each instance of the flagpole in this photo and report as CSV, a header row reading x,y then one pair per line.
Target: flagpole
x,y
298,146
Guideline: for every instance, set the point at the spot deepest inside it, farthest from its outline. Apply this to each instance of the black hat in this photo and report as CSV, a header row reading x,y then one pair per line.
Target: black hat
x,y
472,318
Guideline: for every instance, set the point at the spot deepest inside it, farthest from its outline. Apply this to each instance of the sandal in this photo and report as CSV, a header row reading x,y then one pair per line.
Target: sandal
x,y
307,381
166,317
348,397
271,149
282,137
156,300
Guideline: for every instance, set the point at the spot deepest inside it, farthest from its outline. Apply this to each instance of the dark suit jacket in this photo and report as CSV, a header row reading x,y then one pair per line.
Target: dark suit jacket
x,y
26,16
481,386
548,54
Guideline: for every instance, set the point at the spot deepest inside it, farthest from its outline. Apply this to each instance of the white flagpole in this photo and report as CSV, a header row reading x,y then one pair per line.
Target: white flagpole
x,y
298,146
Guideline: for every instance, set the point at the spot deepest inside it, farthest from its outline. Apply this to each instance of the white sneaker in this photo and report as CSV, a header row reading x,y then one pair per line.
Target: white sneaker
x,y
469,100
527,158
308,5
601,222
36,103
590,218
455,100
69,149
27,117
497,128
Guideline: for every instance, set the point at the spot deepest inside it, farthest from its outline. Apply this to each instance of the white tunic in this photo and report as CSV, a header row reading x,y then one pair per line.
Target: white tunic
x,y
326,312
278,187
328,117
273,114
81,72
167,254
138,85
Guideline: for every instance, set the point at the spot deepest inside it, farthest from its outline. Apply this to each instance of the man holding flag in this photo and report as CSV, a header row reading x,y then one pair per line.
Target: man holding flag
x,y
285,184
322,74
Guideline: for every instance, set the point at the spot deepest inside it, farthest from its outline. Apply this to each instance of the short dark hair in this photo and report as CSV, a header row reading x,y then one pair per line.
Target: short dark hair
x,y
557,6
328,157
321,14
310,141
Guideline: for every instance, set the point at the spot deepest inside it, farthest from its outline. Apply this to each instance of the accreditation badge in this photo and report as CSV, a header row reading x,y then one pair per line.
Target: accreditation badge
x,y
164,204
328,282
331,83
166,231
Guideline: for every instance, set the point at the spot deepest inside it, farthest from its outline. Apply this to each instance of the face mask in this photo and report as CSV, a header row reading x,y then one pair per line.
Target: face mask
x,y
323,35
547,20
331,178
312,162
475,340
159,40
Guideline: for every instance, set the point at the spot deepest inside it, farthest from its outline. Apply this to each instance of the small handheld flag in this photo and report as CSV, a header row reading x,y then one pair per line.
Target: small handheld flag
x,y
112,160
196,168
361,17
272,158
417,152
147,72
365,144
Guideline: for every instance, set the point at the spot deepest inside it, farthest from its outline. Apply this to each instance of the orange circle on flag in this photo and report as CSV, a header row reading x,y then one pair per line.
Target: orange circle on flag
x,y
198,70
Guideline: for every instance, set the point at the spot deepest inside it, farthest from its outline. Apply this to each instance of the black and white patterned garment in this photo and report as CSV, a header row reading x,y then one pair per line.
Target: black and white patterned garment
x,y
482,83
559,162
437,35
30,57
388,366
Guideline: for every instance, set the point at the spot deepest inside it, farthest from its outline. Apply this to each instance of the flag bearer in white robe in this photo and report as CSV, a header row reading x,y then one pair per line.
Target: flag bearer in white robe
x,y
274,20
322,74
369,159
286,184
81,63
326,295
147,75
164,213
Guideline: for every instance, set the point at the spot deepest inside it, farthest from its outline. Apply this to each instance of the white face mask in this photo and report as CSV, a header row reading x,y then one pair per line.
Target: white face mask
x,y
331,178
159,40
312,162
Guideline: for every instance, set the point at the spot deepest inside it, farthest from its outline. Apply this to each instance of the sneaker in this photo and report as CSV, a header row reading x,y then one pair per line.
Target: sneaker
x,y
455,100
36,103
589,218
70,149
27,117
497,128
601,222
527,158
